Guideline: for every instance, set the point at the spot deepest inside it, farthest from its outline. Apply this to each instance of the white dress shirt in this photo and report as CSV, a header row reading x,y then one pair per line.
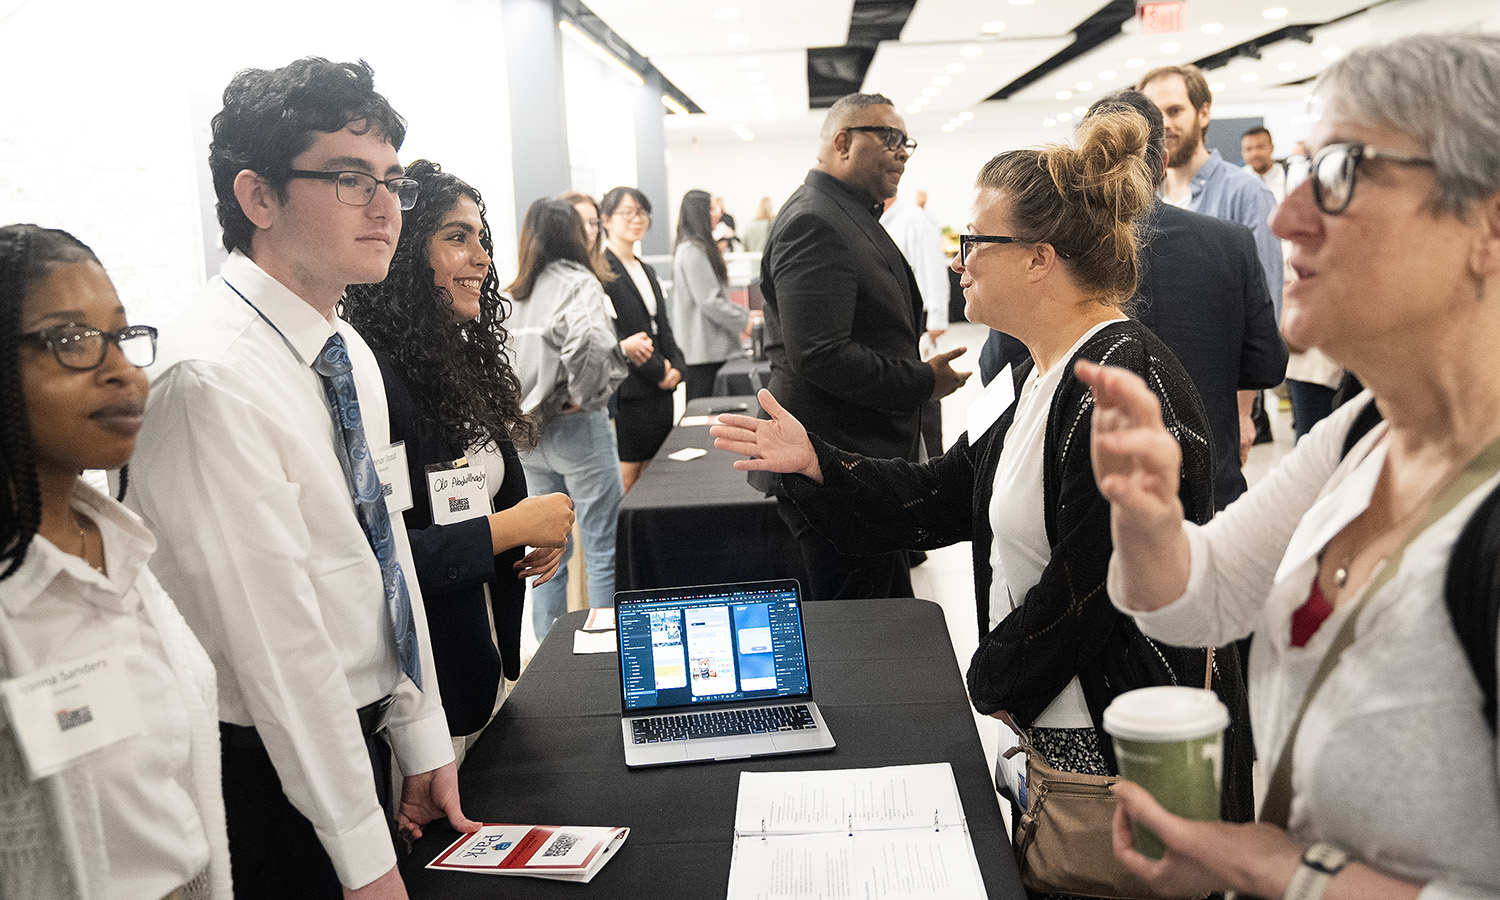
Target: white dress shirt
x,y
920,240
153,797
1394,762
237,473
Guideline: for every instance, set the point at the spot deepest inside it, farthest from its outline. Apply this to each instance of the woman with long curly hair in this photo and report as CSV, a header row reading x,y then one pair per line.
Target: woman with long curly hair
x,y
143,814
435,325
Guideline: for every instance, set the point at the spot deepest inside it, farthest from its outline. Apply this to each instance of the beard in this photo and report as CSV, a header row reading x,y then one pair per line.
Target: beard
x,y
1186,147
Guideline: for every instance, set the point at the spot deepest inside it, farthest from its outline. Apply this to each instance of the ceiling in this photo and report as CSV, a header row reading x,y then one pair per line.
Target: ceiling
x,y
745,62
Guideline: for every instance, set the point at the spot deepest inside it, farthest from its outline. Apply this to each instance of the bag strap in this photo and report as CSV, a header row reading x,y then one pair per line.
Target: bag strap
x,y
1278,803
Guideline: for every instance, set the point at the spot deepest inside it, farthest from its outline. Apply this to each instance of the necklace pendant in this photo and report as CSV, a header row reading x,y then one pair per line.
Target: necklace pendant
x,y
1341,577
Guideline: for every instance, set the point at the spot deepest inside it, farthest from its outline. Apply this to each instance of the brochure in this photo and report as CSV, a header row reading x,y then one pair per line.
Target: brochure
x,y
558,852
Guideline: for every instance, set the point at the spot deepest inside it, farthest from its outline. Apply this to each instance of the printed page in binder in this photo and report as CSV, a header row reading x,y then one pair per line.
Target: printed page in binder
x,y
892,832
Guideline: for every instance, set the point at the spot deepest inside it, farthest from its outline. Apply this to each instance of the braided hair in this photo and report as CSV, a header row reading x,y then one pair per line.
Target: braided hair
x,y
457,371
28,254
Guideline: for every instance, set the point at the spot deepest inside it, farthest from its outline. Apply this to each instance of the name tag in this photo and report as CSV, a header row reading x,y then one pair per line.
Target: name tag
x,y
457,491
66,711
395,482
990,405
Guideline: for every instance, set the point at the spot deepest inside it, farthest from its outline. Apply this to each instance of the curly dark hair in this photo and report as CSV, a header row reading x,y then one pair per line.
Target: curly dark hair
x,y
27,254
272,115
457,371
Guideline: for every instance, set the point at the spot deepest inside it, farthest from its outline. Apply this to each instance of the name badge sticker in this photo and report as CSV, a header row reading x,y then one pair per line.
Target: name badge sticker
x,y
457,492
395,482
66,711
986,409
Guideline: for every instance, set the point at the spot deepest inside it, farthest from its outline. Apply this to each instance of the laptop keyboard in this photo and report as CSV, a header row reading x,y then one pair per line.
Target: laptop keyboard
x,y
722,723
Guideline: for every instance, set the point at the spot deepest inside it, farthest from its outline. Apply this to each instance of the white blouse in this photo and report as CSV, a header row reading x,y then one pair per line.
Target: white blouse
x,y
1394,762
158,824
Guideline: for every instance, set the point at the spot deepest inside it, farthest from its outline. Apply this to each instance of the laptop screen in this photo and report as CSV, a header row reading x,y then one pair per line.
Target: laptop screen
x,y
711,644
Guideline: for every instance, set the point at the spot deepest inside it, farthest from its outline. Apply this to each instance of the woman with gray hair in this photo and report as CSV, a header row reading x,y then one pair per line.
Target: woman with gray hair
x,y
1372,662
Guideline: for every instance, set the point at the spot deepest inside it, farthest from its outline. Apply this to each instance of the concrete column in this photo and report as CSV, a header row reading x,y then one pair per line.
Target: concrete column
x,y
538,125
651,163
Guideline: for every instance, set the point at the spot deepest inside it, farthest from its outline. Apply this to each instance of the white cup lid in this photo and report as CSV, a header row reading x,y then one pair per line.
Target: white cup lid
x,y
1168,713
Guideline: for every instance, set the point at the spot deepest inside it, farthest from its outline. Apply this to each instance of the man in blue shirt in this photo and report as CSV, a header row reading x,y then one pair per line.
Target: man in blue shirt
x,y
1200,180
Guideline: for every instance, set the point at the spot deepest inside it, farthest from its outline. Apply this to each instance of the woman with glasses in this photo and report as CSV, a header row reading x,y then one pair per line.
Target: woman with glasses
x,y
1384,773
569,361
436,326
136,811
645,413
1051,259
709,324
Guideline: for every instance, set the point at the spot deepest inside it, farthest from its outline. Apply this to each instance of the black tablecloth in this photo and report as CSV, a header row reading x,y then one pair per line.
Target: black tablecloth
x,y
742,375
883,673
697,521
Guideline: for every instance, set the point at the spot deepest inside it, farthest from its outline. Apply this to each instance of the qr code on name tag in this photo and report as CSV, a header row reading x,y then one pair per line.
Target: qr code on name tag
x,y
458,504
561,845
72,718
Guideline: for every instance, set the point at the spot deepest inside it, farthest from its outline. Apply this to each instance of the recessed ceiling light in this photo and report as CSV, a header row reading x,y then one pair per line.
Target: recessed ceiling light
x,y
1249,77
1084,85
1080,110
971,50
949,126
1107,75
965,116
953,68
727,12
994,27
1286,66
1170,47
1064,117
1276,12
1135,62
1333,53
1063,95
932,91
1213,28
738,39
1049,123
1218,86
941,80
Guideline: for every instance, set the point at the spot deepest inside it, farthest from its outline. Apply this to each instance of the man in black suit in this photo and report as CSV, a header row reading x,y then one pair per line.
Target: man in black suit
x,y
1203,292
843,314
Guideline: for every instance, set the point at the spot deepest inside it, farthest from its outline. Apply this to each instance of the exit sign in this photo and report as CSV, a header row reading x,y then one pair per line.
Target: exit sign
x,y
1160,18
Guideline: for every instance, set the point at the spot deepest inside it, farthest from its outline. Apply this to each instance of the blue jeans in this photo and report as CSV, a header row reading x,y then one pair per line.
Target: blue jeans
x,y
577,456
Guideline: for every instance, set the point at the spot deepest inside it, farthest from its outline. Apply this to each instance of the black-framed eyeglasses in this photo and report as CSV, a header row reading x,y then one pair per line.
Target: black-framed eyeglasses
x,y
1336,168
358,188
632,214
82,348
966,243
895,139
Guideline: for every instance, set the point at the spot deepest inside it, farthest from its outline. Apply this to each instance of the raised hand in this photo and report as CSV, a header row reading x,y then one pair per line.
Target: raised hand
x,y
945,380
778,444
1136,461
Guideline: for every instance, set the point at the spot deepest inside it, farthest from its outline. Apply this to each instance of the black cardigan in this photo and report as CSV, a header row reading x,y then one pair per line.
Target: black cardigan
x,y
631,317
1067,626
454,563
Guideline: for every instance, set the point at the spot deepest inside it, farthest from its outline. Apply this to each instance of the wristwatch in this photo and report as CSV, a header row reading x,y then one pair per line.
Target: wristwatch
x,y
1319,864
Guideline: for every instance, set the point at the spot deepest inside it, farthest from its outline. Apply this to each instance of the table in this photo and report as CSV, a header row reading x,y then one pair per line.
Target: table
x,y
698,521
742,375
883,673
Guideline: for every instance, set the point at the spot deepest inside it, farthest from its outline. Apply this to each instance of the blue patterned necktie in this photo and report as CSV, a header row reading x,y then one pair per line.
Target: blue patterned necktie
x,y
334,369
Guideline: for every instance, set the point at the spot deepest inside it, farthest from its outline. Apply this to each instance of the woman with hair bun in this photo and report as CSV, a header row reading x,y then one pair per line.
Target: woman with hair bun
x,y
1050,258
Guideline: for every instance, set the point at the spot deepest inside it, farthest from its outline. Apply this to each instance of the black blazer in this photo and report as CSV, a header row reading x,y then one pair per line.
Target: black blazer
x,y
631,318
843,315
454,563
1203,292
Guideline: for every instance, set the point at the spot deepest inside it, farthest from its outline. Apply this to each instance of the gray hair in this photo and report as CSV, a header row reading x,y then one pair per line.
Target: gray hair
x,y
1442,88
844,109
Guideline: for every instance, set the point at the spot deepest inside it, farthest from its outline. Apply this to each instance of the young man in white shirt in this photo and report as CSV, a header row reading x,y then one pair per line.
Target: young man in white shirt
x,y
248,485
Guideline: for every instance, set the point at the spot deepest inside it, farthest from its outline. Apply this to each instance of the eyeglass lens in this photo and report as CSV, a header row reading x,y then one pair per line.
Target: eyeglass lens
x,y
84,348
1334,178
358,189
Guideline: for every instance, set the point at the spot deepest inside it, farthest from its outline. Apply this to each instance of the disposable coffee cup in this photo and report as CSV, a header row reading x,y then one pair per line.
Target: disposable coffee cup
x,y
1170,741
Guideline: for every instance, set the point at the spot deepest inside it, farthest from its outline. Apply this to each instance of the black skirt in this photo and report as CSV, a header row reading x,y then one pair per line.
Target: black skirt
x,y
642,425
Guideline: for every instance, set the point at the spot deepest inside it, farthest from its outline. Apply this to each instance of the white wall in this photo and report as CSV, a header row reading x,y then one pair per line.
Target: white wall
x,y
98,134
601,122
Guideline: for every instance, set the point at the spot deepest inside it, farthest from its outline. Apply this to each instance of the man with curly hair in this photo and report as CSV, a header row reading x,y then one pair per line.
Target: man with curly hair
x,y
255,471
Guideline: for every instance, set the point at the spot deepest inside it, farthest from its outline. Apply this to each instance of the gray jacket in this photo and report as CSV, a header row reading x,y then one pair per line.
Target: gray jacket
x,y
565,343
706,323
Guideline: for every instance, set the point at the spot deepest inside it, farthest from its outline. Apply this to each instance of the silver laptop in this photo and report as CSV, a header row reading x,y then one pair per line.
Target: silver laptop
x,y
715,671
